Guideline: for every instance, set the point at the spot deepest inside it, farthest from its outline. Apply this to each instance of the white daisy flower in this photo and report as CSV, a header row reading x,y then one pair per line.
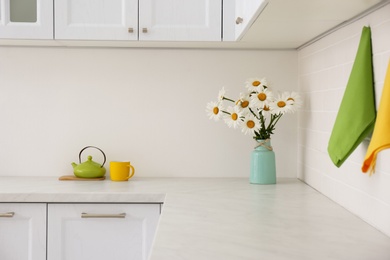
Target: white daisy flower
x,y
214,110
282,104
255,84
261,98
297,101
243,102
233,119
266,111
250,124
221,94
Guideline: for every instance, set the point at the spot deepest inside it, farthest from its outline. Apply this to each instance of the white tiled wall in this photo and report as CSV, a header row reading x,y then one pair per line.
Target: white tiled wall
x,y
324,69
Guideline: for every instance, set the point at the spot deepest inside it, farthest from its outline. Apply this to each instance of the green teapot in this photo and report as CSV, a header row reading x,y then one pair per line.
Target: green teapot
x,y
89,168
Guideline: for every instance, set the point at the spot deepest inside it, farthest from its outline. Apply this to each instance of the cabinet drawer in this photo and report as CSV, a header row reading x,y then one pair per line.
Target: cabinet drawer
x,y
101,231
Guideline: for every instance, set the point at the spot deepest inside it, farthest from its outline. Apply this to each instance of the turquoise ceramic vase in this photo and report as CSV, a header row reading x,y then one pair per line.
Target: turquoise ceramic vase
x,y
263,168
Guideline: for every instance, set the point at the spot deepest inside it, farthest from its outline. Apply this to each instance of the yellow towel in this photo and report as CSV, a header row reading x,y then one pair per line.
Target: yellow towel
x,y
356,116
381,137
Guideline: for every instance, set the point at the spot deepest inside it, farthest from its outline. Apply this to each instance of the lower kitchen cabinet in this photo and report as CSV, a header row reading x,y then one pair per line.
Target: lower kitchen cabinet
x,y
23,231
41,231
101,231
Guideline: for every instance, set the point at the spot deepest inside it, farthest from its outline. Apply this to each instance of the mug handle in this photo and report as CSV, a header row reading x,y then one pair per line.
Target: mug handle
x,y
132,171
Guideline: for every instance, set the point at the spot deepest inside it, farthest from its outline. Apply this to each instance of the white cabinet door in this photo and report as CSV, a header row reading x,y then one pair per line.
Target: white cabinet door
x,y
246,14
96,19
101,231
178,20
26,19
22,231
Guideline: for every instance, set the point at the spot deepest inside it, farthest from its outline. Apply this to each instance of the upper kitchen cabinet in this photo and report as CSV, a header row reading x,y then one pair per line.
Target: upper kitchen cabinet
x,y
151,20
26,19
178,20
96,20
246,13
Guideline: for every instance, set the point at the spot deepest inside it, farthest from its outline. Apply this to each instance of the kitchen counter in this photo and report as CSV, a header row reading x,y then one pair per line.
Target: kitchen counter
x,y
211,219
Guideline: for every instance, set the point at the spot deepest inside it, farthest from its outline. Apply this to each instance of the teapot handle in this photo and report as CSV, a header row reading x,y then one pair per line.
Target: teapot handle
x,y
96,148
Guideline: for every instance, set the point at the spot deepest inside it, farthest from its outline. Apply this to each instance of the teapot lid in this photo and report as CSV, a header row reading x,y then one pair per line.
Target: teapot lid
x,y
90,163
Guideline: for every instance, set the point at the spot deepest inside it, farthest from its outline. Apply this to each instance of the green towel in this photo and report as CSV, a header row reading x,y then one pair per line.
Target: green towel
x,y
356,116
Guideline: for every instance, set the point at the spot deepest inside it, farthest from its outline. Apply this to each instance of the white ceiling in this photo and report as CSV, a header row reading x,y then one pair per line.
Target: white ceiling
x,y
292,23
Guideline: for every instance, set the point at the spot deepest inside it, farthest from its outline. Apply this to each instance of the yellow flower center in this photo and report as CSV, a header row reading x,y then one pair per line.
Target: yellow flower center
x,y
256,83
281,104
215,110
266,108
250,124
244,104
290,98
262,96
234,116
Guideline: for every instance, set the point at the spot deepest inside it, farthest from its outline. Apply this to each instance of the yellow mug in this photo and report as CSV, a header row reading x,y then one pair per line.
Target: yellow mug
x,y
121,171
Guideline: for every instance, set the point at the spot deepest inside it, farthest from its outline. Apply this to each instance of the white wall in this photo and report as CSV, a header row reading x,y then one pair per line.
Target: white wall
x,y
143,105
324,69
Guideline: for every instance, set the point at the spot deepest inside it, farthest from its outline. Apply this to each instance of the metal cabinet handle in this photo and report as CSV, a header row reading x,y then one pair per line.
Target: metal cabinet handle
x,y
145,30
239,20
7,215
89,215
130,30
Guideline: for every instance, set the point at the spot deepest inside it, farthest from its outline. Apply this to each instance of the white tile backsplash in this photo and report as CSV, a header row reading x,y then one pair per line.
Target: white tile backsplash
x,y
324,69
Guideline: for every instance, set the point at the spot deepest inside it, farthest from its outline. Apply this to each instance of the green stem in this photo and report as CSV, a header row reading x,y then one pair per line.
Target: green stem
x,y
254,114
228,99
274,120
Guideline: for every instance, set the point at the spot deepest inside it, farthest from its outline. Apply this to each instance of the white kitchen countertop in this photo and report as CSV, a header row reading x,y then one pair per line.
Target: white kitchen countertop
x,y
212,219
